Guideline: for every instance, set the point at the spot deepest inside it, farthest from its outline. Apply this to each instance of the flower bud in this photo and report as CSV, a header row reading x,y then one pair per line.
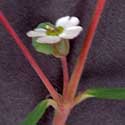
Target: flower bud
x,y
61,49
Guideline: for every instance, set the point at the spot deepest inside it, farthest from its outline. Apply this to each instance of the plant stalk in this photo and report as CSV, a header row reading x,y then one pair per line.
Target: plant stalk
x,y
61,116
79,67
65,75
28,56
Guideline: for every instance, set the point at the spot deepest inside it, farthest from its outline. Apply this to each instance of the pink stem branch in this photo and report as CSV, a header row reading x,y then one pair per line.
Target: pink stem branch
x,y
28,56
65,74
74,81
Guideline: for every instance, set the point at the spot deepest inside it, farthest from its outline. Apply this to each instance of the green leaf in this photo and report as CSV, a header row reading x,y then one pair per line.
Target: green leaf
x,y
42,47
106,93
36,114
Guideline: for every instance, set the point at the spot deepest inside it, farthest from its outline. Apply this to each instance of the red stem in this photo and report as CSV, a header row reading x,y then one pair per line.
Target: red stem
x,y
74,81
65,75
28,56
61,116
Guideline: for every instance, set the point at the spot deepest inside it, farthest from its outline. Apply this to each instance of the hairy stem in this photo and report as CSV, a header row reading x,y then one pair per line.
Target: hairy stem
x,y
65,74
28,56
74,81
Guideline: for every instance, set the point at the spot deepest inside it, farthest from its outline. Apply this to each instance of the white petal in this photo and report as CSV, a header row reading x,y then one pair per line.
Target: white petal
x,y
35,33
40,30
74,21
62,21
49,39
71,32
67,21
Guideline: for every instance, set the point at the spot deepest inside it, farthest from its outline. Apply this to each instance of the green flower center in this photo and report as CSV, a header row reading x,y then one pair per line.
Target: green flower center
x,y
51,29
54,31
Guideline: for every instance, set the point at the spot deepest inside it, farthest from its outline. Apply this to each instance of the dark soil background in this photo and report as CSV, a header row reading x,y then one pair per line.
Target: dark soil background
x,y
20,87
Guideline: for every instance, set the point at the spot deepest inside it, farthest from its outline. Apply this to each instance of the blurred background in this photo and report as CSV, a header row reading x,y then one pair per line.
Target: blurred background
x,y
20,87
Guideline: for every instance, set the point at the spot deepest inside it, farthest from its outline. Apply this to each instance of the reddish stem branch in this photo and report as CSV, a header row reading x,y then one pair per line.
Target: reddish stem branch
x,y
28,56
74,81
65,74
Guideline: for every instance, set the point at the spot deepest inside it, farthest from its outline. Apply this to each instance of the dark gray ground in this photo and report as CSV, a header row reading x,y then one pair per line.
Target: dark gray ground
x,y
21,89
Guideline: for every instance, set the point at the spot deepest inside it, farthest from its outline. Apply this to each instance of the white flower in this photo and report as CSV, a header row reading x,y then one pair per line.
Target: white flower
x,y
65,28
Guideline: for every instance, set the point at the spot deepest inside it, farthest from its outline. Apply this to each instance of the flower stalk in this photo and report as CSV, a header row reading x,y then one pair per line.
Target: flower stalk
x,y
79,67
29,57
65,74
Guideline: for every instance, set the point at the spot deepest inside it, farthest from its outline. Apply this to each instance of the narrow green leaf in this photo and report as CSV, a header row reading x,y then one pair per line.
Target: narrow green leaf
x,y
36,114
107,93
